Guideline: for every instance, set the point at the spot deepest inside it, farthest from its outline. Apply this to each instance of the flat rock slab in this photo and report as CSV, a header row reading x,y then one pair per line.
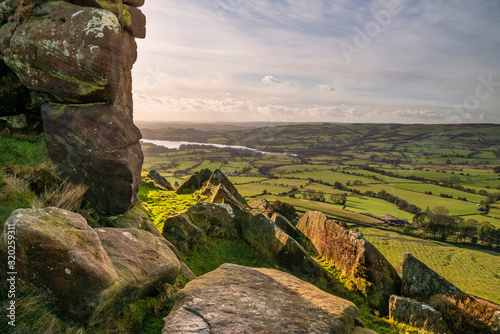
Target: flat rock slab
x,y
235,299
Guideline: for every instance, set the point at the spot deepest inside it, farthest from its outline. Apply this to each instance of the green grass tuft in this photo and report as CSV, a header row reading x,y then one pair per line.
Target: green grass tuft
x,y
23,151
161,204
211,253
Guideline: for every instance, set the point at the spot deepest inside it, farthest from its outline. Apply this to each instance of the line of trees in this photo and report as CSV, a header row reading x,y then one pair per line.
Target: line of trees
x,y
400,203
438,224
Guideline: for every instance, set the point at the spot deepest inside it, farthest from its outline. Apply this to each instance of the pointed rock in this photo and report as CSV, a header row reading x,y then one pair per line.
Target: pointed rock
x,y
194,182
159,180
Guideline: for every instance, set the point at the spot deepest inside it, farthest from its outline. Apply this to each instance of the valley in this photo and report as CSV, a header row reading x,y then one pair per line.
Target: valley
x,y
440,181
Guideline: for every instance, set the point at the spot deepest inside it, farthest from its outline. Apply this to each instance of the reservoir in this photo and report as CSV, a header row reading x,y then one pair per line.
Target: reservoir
x,y
177,144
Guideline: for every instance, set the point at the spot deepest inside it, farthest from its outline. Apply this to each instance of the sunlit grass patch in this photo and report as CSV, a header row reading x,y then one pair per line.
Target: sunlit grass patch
x,y
161,204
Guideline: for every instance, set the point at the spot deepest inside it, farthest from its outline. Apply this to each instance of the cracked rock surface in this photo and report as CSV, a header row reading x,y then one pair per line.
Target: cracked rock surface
x,y
75,58
237,299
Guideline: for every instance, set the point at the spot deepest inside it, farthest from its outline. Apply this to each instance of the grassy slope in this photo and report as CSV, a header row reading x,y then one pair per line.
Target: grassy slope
x,y
36,312
472,270
25,153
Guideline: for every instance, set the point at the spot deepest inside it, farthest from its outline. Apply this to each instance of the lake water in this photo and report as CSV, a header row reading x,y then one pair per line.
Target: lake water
x,y
177,144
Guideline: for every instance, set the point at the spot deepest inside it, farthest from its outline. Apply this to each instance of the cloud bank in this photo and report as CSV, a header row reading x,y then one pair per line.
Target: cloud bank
x,y
410,61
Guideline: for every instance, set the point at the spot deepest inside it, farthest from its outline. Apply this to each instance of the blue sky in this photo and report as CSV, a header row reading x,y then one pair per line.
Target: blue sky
x,y
400,61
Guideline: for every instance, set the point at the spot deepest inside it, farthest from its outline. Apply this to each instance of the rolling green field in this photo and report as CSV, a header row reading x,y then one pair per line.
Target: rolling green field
x,y
325,154
473,271
433,168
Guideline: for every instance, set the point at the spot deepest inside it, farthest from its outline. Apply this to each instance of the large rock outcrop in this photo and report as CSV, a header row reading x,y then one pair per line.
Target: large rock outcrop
x,y
369,270
59,251
221,190
91,273
76,60
236,299
185,229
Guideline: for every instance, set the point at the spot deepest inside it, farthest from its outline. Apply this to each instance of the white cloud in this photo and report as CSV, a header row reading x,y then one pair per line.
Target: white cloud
x,y
270,79
327,88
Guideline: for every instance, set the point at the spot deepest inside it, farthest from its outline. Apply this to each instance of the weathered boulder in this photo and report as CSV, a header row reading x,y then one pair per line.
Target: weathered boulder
x,y
463,313
260,204
420,282
277,246
214,219
195,182
417,314
97,145
77,52
59,251
91,273
159,180
214,185
180,230
202,219
69,52
236,299
369,270
142,261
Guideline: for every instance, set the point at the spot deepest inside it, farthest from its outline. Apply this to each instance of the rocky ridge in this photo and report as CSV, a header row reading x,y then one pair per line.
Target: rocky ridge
x,y
93,272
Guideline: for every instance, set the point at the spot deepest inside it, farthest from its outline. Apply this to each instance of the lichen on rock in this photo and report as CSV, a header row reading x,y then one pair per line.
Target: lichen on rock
x,y
76,55
236,299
